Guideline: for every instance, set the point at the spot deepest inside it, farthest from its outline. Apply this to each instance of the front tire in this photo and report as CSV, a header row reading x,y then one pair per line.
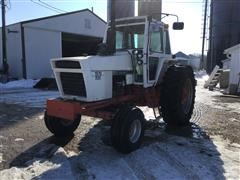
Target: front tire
x,y
178,95
61,127
128,129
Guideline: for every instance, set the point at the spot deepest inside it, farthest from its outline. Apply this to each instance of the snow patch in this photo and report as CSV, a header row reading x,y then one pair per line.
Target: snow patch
x,y
57,167
18,139
24,83
173,158
1,157
27,97
201,76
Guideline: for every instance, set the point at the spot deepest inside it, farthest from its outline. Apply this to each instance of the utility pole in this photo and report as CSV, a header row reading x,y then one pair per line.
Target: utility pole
x,y
4,48
204,31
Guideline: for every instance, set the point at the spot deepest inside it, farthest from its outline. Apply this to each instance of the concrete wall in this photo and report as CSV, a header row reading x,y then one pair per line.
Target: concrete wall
x,y
151,7
124,8
40,46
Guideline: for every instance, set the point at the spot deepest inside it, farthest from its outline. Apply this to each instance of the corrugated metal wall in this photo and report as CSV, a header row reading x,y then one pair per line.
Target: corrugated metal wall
x,y
224,29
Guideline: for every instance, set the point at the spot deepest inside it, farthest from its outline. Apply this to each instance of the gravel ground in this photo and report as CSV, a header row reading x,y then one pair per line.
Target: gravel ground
x,y
23,134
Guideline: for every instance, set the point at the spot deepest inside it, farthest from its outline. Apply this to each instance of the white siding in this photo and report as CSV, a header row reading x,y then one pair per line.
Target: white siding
x,y
40,46
43,41
84,23
233,53
14,51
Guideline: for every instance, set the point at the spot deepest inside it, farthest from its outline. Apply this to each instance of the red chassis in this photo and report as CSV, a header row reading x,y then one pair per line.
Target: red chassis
x,y
71,109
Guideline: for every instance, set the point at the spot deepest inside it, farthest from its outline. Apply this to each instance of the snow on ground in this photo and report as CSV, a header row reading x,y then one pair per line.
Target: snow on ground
x,y
201,76
57,166
170,157
29,83
28,97
214,98
21,92
173,158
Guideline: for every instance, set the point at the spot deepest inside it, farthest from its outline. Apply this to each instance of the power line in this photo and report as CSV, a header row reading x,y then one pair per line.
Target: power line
x,y
52,6
47,7
36,2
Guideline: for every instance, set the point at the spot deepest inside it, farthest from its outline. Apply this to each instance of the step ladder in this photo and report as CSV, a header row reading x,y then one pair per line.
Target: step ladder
x,y
214,78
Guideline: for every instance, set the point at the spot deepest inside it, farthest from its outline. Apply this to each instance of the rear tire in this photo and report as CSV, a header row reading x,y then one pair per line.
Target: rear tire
x,y
178,95
128,129
61,127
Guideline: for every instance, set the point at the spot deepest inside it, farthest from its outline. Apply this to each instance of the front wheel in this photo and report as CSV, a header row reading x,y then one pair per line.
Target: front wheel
x,y
178,95
128,129
61,127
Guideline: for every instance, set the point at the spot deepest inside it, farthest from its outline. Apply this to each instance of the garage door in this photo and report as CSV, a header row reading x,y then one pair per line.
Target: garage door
x,y
78,45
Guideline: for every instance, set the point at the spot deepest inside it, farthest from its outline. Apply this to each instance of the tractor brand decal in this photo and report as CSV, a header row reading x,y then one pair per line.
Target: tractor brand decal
x,y
98,75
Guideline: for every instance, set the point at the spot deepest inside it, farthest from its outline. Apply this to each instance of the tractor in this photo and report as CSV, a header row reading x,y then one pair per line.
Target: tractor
x,y
134,67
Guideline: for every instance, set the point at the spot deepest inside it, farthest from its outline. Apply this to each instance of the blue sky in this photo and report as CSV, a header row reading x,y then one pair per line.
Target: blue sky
x,y
189,11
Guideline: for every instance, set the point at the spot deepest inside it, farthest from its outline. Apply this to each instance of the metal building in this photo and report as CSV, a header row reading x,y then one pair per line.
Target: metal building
x,y
224,29
31,44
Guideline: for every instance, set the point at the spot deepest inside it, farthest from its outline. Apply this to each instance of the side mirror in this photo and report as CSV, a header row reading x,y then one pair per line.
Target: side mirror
x,y
178,25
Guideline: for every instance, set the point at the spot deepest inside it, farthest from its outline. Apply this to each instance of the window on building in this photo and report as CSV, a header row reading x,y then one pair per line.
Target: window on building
x,y
87,23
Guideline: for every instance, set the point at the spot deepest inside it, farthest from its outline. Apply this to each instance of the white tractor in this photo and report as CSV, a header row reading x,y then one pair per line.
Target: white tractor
x,y
134,67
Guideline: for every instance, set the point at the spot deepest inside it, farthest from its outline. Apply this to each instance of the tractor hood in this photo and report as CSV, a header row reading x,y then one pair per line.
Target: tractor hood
x,y
117,62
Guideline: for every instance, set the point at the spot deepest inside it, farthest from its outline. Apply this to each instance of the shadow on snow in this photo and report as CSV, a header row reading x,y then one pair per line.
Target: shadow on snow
x,y
166,152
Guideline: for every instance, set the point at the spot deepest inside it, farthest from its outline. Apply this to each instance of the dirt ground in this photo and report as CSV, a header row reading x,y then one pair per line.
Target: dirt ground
x,y
23,133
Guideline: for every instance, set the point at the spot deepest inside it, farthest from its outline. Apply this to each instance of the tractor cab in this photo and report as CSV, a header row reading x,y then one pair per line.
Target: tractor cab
x,y
147,42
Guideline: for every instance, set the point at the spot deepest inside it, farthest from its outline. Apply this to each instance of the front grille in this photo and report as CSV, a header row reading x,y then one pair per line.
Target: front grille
x,y
68,64
73,84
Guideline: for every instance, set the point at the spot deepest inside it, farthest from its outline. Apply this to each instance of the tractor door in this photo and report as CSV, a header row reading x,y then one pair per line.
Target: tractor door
x,y
156,52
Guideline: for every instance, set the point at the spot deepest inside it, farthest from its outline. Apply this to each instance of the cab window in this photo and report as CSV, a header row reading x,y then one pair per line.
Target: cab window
x,y
167,48
156,38
130,37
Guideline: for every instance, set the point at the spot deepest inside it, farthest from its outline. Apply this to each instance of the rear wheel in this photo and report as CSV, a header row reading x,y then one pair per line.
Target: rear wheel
x,y
61,127
178,95
127,129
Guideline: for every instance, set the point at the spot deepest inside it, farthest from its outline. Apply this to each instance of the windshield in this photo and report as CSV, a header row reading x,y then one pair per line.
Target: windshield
x,y
129,37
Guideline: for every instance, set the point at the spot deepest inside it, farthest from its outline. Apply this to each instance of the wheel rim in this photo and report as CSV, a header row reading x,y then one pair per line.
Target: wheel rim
x,y
135,131
187,95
